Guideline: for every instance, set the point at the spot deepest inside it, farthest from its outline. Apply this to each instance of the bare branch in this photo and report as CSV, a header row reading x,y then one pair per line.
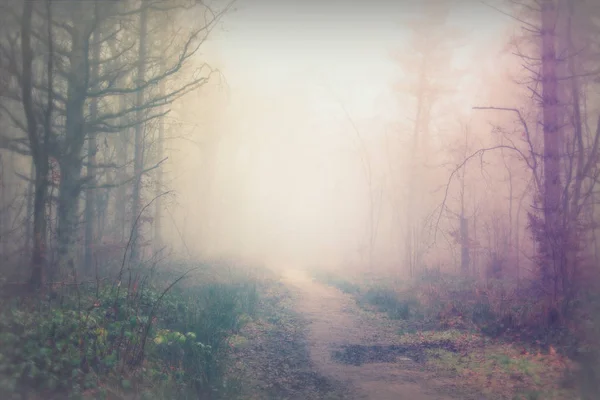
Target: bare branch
x,y
130,179
533,27
26,85
533,164
104,127
189,49
480,153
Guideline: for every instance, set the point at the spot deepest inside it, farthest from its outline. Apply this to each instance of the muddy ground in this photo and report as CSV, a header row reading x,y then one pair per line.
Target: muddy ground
x,y
315,342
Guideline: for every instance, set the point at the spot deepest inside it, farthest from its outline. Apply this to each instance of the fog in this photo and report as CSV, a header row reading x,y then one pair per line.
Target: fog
x,y
273,159
321,134
299,199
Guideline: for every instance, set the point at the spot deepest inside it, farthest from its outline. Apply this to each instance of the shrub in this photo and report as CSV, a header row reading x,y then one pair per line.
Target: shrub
x,y
77,342
388,301
337,282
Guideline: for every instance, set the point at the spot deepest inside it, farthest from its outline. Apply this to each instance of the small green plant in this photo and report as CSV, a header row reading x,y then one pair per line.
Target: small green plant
x,y
78,342
388,301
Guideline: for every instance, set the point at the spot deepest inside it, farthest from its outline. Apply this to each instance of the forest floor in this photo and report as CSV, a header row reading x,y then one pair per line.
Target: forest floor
x,y
267,335
360,349
317,343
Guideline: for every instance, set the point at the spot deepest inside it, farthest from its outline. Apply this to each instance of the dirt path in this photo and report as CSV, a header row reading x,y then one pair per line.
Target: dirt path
x,y
336,322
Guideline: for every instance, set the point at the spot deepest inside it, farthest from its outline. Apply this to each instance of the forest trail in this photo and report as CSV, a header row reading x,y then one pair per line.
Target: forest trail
x,y
335,321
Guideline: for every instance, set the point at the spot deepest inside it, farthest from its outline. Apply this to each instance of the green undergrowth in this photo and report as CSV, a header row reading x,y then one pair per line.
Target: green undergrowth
x,y
490,337
336,281
435,301
141,339
499,371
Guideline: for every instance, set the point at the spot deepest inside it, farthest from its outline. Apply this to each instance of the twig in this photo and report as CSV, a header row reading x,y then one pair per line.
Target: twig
x,y
479,152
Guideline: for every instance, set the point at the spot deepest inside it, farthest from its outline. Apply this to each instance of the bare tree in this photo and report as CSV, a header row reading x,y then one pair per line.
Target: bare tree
x,y
138,160
18,56
84,96
90,195
430,54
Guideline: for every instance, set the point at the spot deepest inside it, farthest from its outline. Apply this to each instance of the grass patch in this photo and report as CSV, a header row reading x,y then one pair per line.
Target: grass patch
x,y
106,340
500,370
387,300
458,338
333,280
488,338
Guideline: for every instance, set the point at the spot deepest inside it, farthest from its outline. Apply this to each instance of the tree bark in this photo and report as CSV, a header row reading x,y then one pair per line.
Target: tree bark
x,y
120,223
70,163
29,209
553,263
138,162
90,194
158,241
38,255
411,244
38,151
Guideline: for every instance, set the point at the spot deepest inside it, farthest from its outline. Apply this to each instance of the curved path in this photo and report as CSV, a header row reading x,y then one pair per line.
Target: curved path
x,y
334,321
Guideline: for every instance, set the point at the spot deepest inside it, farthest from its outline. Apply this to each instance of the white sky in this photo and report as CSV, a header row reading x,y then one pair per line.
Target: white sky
x,y
274,45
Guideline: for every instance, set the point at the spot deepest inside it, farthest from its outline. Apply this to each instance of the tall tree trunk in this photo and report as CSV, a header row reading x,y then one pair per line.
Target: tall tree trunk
x,y
475,256
138,162
38,255
517,234
572,218
411,221
465,256
3,204
38,150
120,224
158,242
29,208
510,209
554,248
71,164
68,215
90,193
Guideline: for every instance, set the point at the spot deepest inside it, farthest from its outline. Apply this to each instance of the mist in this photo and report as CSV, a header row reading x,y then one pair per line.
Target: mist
x,y
299,200
305,105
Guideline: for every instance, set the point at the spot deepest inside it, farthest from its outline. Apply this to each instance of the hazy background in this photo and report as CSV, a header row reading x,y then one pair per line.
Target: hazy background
x,y
266,163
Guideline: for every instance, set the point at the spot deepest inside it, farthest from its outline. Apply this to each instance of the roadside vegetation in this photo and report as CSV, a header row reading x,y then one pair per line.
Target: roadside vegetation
x,y
489,338
156,336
